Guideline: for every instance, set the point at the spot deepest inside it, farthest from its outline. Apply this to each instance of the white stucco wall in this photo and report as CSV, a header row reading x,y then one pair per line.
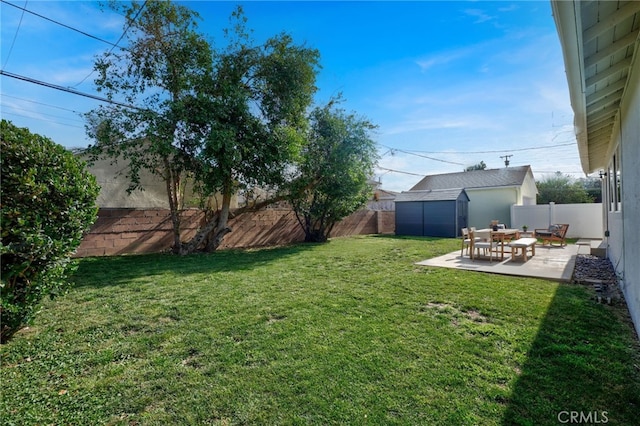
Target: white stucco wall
x,y
627,228
486,205
529,191
113,187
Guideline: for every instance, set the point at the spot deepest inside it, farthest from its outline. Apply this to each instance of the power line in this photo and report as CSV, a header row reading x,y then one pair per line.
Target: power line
x,y
399,171
15,36
15,108
67,89
119,39
486,152
113,45
39,103
430,158
393,150
41,119
59,23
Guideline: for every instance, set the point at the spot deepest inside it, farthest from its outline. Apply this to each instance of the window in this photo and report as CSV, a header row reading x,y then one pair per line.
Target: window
x,y
614,187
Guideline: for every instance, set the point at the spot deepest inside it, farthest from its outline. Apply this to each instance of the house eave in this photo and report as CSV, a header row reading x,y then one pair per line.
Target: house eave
x,y
599,43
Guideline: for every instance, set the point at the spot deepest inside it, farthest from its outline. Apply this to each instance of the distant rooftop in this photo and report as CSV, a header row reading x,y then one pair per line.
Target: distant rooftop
x,y
492,178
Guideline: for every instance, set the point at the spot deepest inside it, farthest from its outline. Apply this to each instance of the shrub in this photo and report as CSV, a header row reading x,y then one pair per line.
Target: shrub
x,y
47,203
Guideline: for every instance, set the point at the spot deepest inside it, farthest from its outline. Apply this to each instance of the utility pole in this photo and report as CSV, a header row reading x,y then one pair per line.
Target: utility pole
x,y
506,159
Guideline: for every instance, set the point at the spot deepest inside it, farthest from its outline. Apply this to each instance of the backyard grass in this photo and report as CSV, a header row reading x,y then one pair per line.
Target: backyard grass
x,y
349,332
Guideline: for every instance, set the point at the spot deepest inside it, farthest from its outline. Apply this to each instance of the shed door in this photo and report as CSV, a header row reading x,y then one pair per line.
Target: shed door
x,y
439,218
409,218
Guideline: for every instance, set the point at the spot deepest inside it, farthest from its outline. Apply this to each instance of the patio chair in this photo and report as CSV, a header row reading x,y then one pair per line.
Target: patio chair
x,y
557,232
476,245
466,241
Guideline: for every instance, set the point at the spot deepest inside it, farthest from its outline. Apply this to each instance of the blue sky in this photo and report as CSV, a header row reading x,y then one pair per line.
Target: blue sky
x,y
449,83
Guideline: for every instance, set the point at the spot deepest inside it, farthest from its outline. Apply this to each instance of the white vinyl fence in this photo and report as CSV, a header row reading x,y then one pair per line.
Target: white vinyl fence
x,y
585,220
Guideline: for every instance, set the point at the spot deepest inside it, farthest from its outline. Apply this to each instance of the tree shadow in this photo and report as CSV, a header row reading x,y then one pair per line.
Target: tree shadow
x,y
97,272
580,367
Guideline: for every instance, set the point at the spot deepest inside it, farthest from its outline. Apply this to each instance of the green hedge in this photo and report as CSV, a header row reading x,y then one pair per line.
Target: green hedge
x,y
48,202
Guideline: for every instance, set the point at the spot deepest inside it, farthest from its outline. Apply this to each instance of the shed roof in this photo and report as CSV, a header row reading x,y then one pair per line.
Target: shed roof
x,y
432,195
493,178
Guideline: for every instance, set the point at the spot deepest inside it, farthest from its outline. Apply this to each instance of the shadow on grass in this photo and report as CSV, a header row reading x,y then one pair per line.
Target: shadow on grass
x,y
580,367
108,271
406,237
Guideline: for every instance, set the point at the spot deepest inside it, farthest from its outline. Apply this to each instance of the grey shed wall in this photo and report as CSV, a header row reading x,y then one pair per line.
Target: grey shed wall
x,y
430,218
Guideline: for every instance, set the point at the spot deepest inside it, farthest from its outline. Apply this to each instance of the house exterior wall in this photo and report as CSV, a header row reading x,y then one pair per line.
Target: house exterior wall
x,y
113,188
114,184
488,204
624,225
621,220
528,193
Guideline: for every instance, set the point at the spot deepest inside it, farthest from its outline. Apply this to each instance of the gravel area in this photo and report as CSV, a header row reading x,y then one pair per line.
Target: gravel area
x,y
598,272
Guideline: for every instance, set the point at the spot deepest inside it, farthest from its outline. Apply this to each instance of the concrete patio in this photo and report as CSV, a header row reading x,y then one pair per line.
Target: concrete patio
x,y
552,263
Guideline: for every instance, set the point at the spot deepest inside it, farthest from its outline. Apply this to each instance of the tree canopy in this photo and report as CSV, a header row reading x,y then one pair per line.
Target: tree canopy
x,y
562,189
225,119
480,166
334,171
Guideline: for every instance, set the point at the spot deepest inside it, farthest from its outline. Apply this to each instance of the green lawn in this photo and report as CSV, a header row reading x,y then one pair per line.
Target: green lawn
x,y
350,332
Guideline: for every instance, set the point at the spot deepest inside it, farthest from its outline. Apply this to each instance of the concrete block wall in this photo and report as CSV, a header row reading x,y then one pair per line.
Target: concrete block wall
x,y
129,231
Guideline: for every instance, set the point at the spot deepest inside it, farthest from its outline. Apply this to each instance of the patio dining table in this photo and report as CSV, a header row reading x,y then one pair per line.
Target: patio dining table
x,y
501,235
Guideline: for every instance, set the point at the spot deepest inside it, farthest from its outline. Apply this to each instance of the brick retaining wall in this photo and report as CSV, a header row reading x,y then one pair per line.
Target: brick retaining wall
x,y
127,231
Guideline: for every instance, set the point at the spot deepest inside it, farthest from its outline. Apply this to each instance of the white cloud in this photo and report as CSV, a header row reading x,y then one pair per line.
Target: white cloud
x,y
441,59
480,15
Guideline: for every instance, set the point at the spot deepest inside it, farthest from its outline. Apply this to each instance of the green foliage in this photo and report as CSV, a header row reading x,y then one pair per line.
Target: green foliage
x,y
562,189
229,119
480,166
334,171
593,187
251,112
48,201
165,63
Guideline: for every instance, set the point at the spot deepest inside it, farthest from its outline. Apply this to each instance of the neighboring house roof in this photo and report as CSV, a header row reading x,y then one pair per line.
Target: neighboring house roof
x,y
598,41
450,194
384,194
493,178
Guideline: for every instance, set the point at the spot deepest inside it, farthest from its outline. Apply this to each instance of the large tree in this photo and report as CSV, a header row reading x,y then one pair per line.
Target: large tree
x,y
562,189
162,66
251,118
334,171
227,120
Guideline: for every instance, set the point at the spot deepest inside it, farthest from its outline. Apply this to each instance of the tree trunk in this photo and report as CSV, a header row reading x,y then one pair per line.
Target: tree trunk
x,y
221,229
217,227
173,191
200,236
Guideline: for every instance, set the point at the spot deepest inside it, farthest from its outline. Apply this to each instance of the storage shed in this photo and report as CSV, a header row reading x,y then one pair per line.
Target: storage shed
x,y
491,192
432,213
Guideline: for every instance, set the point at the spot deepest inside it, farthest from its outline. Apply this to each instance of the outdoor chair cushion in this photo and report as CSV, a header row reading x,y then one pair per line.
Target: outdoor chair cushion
x,y
553,230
